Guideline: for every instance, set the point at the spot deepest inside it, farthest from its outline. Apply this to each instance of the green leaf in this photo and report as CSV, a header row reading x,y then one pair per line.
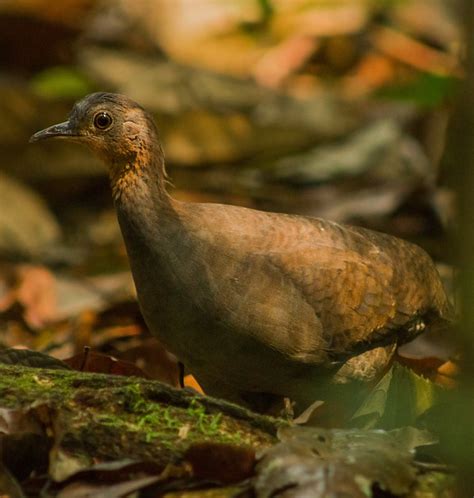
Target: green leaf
x,y
427,90
398,400
373,408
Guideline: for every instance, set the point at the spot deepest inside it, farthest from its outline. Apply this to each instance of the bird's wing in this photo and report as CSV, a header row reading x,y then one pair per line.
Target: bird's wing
x,y
366,288
351,295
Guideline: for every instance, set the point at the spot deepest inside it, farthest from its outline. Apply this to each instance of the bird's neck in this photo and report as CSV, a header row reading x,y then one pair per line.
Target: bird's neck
x,y
139,179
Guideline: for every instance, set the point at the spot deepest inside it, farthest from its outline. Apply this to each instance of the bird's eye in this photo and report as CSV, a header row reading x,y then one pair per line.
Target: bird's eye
x,y
102,120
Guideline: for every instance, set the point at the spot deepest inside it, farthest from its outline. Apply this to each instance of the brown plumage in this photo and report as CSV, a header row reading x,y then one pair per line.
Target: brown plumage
x,y
256,305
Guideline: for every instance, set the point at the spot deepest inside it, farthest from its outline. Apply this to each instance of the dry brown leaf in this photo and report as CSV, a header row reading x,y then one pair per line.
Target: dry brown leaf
x,y
281,61
150,356
31,293
68,12
414,53
221,462
373,72
90,361
437,370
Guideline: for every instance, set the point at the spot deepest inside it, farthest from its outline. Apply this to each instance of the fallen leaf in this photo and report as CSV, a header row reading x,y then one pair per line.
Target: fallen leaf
x,y
115,471
24,443
279,62
31,295
24,453
321,463
90,361
29,358
150,356
114,479
449,369
19,421
430,355
27,226
224,463
9,487
414,53
119,490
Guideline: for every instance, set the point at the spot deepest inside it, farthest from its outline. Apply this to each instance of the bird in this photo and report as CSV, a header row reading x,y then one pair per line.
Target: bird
x,y
258,306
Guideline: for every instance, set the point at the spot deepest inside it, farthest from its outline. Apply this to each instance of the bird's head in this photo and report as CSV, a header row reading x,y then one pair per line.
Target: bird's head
x,y
113,126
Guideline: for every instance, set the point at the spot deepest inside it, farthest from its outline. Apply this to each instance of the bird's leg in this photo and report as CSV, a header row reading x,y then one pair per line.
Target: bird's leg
x,y
181,374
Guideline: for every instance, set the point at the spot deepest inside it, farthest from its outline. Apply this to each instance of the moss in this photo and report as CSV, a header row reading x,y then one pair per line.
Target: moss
x,y
22,386
170,425
208,425
132,398
109,417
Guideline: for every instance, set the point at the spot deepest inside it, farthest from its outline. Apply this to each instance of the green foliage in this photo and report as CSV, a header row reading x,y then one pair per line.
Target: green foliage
x,y
61,81
426,91
266,8
399,399
384,4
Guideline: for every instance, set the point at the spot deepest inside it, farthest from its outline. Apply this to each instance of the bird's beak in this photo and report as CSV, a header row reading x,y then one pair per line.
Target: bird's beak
x,y
61,130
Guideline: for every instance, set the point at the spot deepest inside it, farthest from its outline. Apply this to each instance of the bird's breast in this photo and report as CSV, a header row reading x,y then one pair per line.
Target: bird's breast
x,y
208,305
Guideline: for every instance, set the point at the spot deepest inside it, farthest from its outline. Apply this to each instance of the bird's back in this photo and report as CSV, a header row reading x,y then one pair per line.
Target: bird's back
x,y
365,287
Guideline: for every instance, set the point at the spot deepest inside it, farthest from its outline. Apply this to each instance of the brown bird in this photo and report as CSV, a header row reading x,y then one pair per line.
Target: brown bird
x,y
257,305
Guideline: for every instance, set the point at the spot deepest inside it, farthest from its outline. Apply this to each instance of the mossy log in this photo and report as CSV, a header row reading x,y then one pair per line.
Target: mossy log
x,y
111,417
94,417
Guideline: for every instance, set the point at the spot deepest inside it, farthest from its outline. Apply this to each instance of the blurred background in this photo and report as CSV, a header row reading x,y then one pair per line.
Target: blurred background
x,y
337,109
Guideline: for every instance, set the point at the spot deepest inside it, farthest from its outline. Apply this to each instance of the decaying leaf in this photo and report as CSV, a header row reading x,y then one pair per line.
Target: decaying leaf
x,y
378,150
26,225
441,372
90,361
115,490
8,485
31,294
326,463
24,453
153,359
224,463
29,358
24,444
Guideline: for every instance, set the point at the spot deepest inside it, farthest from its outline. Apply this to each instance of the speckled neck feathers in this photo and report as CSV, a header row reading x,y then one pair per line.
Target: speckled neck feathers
x,y
141,171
